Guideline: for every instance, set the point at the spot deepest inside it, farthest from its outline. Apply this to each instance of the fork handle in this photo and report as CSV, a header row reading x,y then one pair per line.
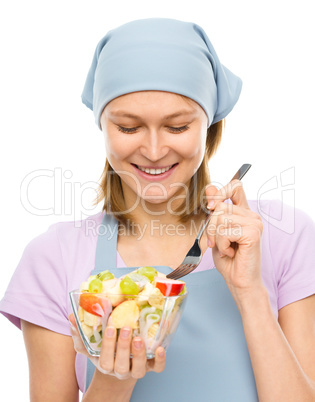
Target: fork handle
x,y
241,172
238,176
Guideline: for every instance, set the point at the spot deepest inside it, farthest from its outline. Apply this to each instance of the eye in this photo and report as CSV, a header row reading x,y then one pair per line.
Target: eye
x,y
127,129
130,130
178,129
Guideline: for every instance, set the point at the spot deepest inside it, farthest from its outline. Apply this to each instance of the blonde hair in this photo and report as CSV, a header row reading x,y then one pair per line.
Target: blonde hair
x,y
110,187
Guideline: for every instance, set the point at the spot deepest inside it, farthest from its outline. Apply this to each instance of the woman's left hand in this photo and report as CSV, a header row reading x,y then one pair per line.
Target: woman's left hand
x,y
234,234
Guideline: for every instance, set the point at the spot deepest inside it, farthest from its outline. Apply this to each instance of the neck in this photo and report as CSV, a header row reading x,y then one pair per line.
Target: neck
x,y
150,220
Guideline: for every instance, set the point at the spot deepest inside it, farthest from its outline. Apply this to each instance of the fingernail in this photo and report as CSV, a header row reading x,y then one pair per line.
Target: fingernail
x,y
210,204
220,254
124,333
209,243
161,353
110,331
72,326
137,343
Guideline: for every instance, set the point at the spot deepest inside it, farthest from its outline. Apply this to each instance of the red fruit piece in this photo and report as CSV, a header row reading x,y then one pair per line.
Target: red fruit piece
x,y
96,305
169,287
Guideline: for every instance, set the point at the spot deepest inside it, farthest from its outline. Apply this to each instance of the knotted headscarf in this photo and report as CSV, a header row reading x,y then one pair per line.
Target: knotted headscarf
x,y
165,55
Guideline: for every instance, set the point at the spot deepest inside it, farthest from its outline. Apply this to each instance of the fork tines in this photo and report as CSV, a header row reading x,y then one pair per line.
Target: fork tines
x,y
181,271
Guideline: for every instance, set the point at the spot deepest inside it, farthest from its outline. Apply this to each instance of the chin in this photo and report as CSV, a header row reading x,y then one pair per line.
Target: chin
x,y
152,200
155,197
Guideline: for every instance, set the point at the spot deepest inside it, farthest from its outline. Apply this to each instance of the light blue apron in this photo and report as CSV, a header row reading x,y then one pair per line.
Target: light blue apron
x,y
208,359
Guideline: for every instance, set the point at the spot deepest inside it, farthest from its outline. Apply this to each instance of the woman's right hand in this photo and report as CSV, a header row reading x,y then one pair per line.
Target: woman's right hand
x,y
120,366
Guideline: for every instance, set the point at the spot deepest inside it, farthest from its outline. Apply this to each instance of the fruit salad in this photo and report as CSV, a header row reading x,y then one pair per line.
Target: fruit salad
x,y
144,300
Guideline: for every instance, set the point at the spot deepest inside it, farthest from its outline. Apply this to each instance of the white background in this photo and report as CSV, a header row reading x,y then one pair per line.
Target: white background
x,y
46,50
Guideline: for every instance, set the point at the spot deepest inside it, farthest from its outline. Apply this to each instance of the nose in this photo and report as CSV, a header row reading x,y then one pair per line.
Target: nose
x,y
154,146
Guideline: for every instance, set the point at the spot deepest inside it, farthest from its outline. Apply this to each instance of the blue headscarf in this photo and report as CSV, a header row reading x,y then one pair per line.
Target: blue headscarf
x,y
165,55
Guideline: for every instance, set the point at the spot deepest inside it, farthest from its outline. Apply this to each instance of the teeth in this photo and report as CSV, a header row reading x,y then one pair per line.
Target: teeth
x,y
154,171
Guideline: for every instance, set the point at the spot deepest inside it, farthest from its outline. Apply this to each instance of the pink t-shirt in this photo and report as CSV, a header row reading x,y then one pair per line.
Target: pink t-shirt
x,y
57,261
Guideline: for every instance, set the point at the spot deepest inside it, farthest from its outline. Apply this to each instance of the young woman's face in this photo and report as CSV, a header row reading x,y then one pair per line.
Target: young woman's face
x,y
155,141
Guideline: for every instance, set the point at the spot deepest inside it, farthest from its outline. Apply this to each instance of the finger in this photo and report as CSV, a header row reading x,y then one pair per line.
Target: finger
x,y
107,355
230,209
158,363
226,220
238,196
219,217
77,341
212,195
237,217
227,215
229,239
73,324
223,244
212,227
122,360
139,358
234,191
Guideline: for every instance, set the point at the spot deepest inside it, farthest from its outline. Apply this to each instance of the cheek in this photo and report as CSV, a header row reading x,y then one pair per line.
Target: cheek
x,y
194,148
116,149
198,157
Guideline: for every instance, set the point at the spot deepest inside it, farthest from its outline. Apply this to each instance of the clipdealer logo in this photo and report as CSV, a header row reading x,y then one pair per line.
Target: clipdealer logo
x,y
69,197
65,197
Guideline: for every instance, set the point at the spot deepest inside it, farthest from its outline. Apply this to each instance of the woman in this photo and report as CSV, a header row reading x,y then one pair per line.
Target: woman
x,y
159,94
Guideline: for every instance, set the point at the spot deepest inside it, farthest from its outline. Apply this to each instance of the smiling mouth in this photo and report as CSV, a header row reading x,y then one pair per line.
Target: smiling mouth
x,y
155,171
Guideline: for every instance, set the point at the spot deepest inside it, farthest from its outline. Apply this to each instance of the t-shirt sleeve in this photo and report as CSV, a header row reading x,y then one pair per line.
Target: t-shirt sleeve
x,y
292,245
37,290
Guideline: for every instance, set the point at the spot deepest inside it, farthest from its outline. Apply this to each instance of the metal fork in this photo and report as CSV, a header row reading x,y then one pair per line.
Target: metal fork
x,y
194,255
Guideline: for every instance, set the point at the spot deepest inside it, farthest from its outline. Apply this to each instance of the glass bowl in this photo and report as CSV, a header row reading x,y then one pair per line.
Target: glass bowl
x,y
154,318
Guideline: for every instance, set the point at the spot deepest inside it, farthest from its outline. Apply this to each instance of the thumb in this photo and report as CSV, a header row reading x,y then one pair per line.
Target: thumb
x,y
72,321
211,195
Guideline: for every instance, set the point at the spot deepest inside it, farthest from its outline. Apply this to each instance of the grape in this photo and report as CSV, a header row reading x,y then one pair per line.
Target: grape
x,y
95,286
129,287
105,275
149,272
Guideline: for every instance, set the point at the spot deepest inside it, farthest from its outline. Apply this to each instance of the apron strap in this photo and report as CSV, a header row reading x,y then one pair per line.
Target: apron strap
x,y
106,256
106,248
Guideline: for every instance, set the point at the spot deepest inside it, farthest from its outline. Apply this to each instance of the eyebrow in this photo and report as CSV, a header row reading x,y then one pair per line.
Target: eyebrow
x,y
184,112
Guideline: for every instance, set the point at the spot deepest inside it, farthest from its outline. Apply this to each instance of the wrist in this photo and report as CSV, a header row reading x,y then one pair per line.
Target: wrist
x,y
109,388
250,301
